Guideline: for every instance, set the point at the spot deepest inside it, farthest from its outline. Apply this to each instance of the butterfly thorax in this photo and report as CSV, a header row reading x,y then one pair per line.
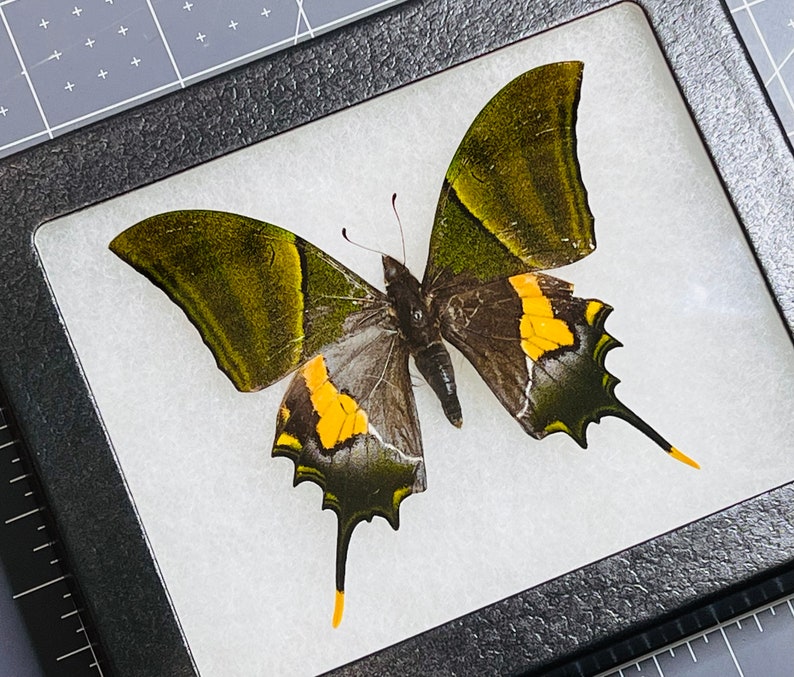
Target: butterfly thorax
x,y
419,326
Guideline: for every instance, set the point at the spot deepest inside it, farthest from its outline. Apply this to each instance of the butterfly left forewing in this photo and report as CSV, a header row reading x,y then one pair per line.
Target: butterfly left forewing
x,y
348,422
263,299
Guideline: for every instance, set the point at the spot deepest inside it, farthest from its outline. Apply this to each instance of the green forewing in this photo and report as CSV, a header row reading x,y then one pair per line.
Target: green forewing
x,y
513,198
263,299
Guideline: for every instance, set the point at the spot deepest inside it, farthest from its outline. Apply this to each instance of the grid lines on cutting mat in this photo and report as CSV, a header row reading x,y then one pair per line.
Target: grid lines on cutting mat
x,y
63,65
767,29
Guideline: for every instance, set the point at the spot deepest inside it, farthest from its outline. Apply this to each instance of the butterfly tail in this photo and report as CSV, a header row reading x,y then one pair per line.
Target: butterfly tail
x,y
342,543
629,416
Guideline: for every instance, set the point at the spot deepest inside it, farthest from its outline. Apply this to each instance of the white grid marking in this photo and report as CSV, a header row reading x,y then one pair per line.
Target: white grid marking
x,y
778,68
39,587
183,81
165,43
302,15
746,7
730,650
658,667
48,129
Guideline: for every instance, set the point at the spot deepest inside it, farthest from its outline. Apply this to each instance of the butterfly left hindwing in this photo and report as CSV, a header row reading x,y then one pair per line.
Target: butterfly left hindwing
x,y
512,203
348,421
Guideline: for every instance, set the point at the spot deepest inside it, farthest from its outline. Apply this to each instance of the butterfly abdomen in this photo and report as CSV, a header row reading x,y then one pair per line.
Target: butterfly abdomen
x,y
435,365
419,327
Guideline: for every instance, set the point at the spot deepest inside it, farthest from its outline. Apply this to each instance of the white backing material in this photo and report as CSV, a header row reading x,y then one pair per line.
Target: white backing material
x,y
248,559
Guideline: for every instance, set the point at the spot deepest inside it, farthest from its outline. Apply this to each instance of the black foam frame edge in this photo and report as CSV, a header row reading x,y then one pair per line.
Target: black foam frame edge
x,y
138,630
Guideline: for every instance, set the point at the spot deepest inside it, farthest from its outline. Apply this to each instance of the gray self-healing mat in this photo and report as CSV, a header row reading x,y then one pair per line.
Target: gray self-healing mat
x,y
755,643
585,608
767,28
64,65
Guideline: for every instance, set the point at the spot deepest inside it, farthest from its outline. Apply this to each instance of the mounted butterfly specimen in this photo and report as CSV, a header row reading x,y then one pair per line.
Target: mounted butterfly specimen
x,y
268,303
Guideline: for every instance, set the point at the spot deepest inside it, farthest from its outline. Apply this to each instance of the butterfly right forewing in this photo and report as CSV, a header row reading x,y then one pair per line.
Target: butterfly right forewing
x,y
513,198
263,299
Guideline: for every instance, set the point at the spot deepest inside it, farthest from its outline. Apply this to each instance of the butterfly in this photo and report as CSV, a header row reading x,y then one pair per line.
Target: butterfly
x,y
268,303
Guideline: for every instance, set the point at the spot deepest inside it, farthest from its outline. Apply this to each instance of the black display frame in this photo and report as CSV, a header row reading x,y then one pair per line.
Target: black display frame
x,y
73,457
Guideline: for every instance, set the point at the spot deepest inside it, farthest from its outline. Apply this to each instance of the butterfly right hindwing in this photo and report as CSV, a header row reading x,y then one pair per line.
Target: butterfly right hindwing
x,y
267,303
263,299
540,349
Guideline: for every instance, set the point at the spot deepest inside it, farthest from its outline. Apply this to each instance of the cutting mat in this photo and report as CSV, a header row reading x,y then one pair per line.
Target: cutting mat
x,y
767,29
64,65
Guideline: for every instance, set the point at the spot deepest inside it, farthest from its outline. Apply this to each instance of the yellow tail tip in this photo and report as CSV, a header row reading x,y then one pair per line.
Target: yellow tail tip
x,y
339,608
678,456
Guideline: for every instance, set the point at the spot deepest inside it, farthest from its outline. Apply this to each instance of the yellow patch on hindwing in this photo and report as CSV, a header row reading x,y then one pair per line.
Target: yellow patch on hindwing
x,y
540,330
340,415
592,310
285,439
289,441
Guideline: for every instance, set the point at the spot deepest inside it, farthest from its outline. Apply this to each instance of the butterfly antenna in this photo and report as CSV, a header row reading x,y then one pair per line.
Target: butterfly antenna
x,y
358,244
399,223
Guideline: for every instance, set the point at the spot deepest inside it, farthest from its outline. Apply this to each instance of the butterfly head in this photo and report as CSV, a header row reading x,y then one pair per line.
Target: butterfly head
x,y
418,323
393,269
